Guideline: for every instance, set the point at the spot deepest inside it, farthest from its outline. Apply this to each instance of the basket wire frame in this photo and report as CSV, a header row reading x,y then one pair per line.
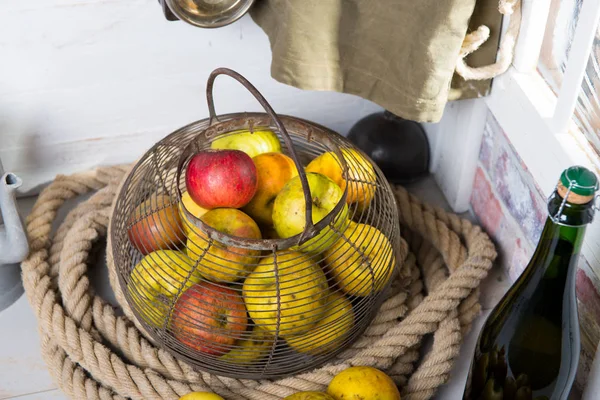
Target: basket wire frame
x,y
289,310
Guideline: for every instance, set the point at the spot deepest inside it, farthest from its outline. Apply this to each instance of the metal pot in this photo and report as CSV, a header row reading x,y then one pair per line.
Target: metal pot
x,y
397,145
13,240
206,13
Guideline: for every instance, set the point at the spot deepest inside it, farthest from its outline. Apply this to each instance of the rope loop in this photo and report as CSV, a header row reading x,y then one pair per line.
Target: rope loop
x,y
79,330
475,39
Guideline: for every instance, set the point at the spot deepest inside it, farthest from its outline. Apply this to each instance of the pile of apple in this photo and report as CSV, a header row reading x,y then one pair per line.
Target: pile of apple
x,y
353,383
230,302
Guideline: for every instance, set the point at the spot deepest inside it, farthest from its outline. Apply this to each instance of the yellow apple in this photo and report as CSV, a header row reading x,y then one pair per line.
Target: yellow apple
x,y
156,279
302,291
290,207
363,383
251,143
217,261
273,171
329,332
361,175
201,396
309,396
251,349
269,232
193,208
361,263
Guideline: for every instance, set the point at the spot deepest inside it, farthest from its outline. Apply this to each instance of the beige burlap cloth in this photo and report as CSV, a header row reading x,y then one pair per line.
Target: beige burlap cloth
x,y
93,352
400,54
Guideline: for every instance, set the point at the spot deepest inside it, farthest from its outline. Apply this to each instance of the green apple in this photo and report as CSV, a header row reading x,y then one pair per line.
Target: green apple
x,y
158,278
286,293
289,210
361,178
251,143
331,331
250,349
362,262
201,395
309,396
219,262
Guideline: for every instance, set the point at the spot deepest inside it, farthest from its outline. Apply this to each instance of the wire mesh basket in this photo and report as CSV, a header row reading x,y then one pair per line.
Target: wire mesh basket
x,y
268,288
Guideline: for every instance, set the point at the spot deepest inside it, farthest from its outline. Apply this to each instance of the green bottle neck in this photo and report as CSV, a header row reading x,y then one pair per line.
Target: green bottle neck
x,y
572,234
567,223
567,214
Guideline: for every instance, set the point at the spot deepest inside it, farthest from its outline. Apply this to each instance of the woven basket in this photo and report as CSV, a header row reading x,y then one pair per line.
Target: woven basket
x,y
94,352
339,264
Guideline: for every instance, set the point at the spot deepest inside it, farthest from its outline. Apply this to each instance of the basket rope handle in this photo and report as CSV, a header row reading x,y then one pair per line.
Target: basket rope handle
x,y
309,227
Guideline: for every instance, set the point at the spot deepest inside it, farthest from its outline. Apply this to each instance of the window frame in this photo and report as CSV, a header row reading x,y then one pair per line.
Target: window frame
x,y
539,123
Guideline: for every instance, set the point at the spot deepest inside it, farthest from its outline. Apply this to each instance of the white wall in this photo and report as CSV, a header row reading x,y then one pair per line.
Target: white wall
x,y
95,82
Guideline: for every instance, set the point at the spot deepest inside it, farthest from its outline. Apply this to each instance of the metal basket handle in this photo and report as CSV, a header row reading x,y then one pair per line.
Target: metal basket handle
x,y
309,227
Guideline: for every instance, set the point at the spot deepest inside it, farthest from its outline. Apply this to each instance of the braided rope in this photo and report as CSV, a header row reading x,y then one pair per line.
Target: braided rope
x,y
506,50
79,329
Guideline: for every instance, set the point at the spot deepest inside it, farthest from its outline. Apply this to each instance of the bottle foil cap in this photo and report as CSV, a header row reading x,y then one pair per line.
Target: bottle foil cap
x,y
579,184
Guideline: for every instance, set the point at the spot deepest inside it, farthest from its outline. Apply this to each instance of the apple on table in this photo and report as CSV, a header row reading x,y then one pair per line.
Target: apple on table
x,y
201,396
309,395
363,382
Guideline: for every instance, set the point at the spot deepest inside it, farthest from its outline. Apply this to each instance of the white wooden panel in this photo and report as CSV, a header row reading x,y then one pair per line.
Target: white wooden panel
x,y
531,34
579,54
455,144
101,80
433,133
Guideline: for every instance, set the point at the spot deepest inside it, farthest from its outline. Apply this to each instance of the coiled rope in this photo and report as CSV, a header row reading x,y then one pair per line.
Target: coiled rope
x,y
94,352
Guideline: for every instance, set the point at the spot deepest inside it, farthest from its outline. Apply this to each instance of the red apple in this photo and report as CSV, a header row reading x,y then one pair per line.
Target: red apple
x,y
221,178
209,318
155,225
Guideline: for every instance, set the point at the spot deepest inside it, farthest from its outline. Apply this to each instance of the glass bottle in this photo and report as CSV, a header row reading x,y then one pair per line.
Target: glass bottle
x,y
529,346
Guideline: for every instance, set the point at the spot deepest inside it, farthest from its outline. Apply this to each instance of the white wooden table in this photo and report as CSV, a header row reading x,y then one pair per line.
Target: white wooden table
x,y
23,373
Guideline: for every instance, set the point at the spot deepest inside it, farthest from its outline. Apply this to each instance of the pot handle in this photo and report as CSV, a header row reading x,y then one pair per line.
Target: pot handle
x,y
309,227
